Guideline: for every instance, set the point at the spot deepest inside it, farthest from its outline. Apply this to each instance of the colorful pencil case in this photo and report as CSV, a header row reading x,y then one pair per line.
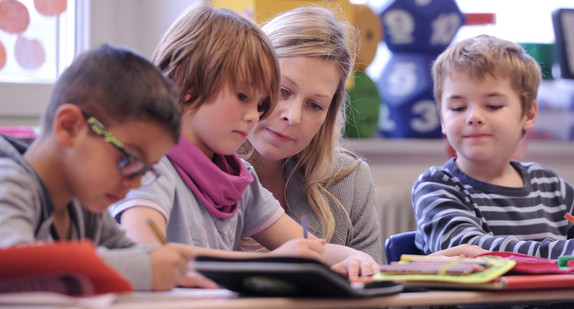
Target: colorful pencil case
x,y
453,267
473,270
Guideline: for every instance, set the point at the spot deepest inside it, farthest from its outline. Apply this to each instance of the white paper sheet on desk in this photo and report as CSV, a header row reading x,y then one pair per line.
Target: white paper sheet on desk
x,y
55,299
174,295
177,293
201,293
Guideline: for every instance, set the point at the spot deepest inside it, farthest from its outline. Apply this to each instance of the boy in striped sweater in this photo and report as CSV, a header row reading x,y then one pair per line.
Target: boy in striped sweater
x,y
486,91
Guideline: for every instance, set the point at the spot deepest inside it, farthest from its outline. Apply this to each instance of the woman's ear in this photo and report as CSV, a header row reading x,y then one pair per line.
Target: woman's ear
x,y
68,123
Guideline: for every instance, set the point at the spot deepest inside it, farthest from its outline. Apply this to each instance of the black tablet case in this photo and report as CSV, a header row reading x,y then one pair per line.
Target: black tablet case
x,y
286,276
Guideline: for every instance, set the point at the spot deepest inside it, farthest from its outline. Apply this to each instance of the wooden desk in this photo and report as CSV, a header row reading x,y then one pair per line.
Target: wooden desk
x,y
407,299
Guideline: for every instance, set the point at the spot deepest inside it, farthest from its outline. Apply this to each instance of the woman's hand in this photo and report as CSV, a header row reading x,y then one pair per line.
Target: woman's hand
x,y
303,248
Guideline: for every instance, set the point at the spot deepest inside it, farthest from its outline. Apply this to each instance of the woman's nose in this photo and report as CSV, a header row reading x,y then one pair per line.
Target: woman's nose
x,y
291,112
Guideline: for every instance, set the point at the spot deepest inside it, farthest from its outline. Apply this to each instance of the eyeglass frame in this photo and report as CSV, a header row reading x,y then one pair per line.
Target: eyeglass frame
x,y
100,129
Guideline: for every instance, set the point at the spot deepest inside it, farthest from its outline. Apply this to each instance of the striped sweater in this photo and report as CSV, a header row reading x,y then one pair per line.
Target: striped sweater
x,y
451,208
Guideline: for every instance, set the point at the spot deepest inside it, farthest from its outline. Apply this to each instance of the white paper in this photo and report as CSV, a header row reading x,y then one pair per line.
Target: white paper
x,y
56,299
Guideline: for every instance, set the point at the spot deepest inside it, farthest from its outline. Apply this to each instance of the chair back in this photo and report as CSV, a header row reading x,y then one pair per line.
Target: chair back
x,y
399,244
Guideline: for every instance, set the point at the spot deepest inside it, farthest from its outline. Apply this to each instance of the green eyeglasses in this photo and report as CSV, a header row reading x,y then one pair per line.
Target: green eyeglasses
x,y
131,166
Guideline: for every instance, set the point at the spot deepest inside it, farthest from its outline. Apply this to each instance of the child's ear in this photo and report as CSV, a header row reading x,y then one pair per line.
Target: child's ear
x,y
530,116
68,122
442,126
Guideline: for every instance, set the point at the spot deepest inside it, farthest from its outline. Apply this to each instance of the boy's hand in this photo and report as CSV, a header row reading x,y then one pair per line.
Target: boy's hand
x,y
194,279
460,251
358,264
303,248
169,266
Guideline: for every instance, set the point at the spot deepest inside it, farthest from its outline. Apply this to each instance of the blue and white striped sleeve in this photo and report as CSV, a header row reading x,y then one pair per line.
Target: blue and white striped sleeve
x,y
447,216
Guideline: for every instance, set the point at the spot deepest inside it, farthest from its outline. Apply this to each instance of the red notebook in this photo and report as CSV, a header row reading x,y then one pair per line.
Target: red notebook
x,y
72,268
507,282
526,282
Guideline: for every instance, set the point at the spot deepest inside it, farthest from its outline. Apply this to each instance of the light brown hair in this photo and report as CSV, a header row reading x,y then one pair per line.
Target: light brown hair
x,y
207,48
487,55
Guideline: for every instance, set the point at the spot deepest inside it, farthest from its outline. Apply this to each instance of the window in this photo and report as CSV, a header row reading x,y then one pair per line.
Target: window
x,y
40,38
37,46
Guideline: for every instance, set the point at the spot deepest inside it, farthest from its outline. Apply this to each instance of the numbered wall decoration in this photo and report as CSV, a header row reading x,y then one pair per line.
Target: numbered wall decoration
x,y
416,32
421,25
408,108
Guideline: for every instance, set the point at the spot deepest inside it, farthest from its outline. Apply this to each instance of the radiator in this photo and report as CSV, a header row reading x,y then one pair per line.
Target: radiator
x,y
394,209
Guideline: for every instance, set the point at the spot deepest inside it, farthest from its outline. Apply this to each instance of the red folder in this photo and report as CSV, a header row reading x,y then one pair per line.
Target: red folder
x,y
538,282
66,263
508,282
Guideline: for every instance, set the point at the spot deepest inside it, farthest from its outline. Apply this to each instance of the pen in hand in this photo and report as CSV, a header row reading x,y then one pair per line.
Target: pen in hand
x,y
304,224
569,217
156,231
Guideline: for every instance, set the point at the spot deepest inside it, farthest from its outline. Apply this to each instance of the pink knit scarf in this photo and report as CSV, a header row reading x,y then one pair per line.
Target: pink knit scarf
x,y
218,184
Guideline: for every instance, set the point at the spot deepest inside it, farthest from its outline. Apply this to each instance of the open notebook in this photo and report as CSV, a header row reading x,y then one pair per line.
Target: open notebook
x,y
286,276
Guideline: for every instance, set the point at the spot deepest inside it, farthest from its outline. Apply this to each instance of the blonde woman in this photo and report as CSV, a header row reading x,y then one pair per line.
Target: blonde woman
x,y
296,151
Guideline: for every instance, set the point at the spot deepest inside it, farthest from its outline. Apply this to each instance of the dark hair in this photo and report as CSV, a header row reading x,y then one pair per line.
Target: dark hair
x,y
116,84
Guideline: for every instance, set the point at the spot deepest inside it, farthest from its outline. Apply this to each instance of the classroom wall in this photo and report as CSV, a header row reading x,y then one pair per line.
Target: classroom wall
x,y
138,24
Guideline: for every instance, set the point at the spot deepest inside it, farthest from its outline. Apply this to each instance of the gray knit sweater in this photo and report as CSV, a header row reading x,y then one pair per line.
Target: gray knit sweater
x,y
356,192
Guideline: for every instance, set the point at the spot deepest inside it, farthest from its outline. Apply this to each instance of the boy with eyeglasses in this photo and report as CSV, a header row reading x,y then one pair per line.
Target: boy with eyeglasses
x,y
111,116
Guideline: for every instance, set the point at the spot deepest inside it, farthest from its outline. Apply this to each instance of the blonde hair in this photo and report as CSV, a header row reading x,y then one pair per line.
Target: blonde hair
x,y
484,55
207,48
315,32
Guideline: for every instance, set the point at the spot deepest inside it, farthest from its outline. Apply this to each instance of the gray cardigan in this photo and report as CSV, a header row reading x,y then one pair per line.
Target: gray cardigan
x,y
25,216
356,192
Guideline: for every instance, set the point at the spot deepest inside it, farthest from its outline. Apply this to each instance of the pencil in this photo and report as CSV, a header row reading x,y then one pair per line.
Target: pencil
x,y
304,224
569,217
156,231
